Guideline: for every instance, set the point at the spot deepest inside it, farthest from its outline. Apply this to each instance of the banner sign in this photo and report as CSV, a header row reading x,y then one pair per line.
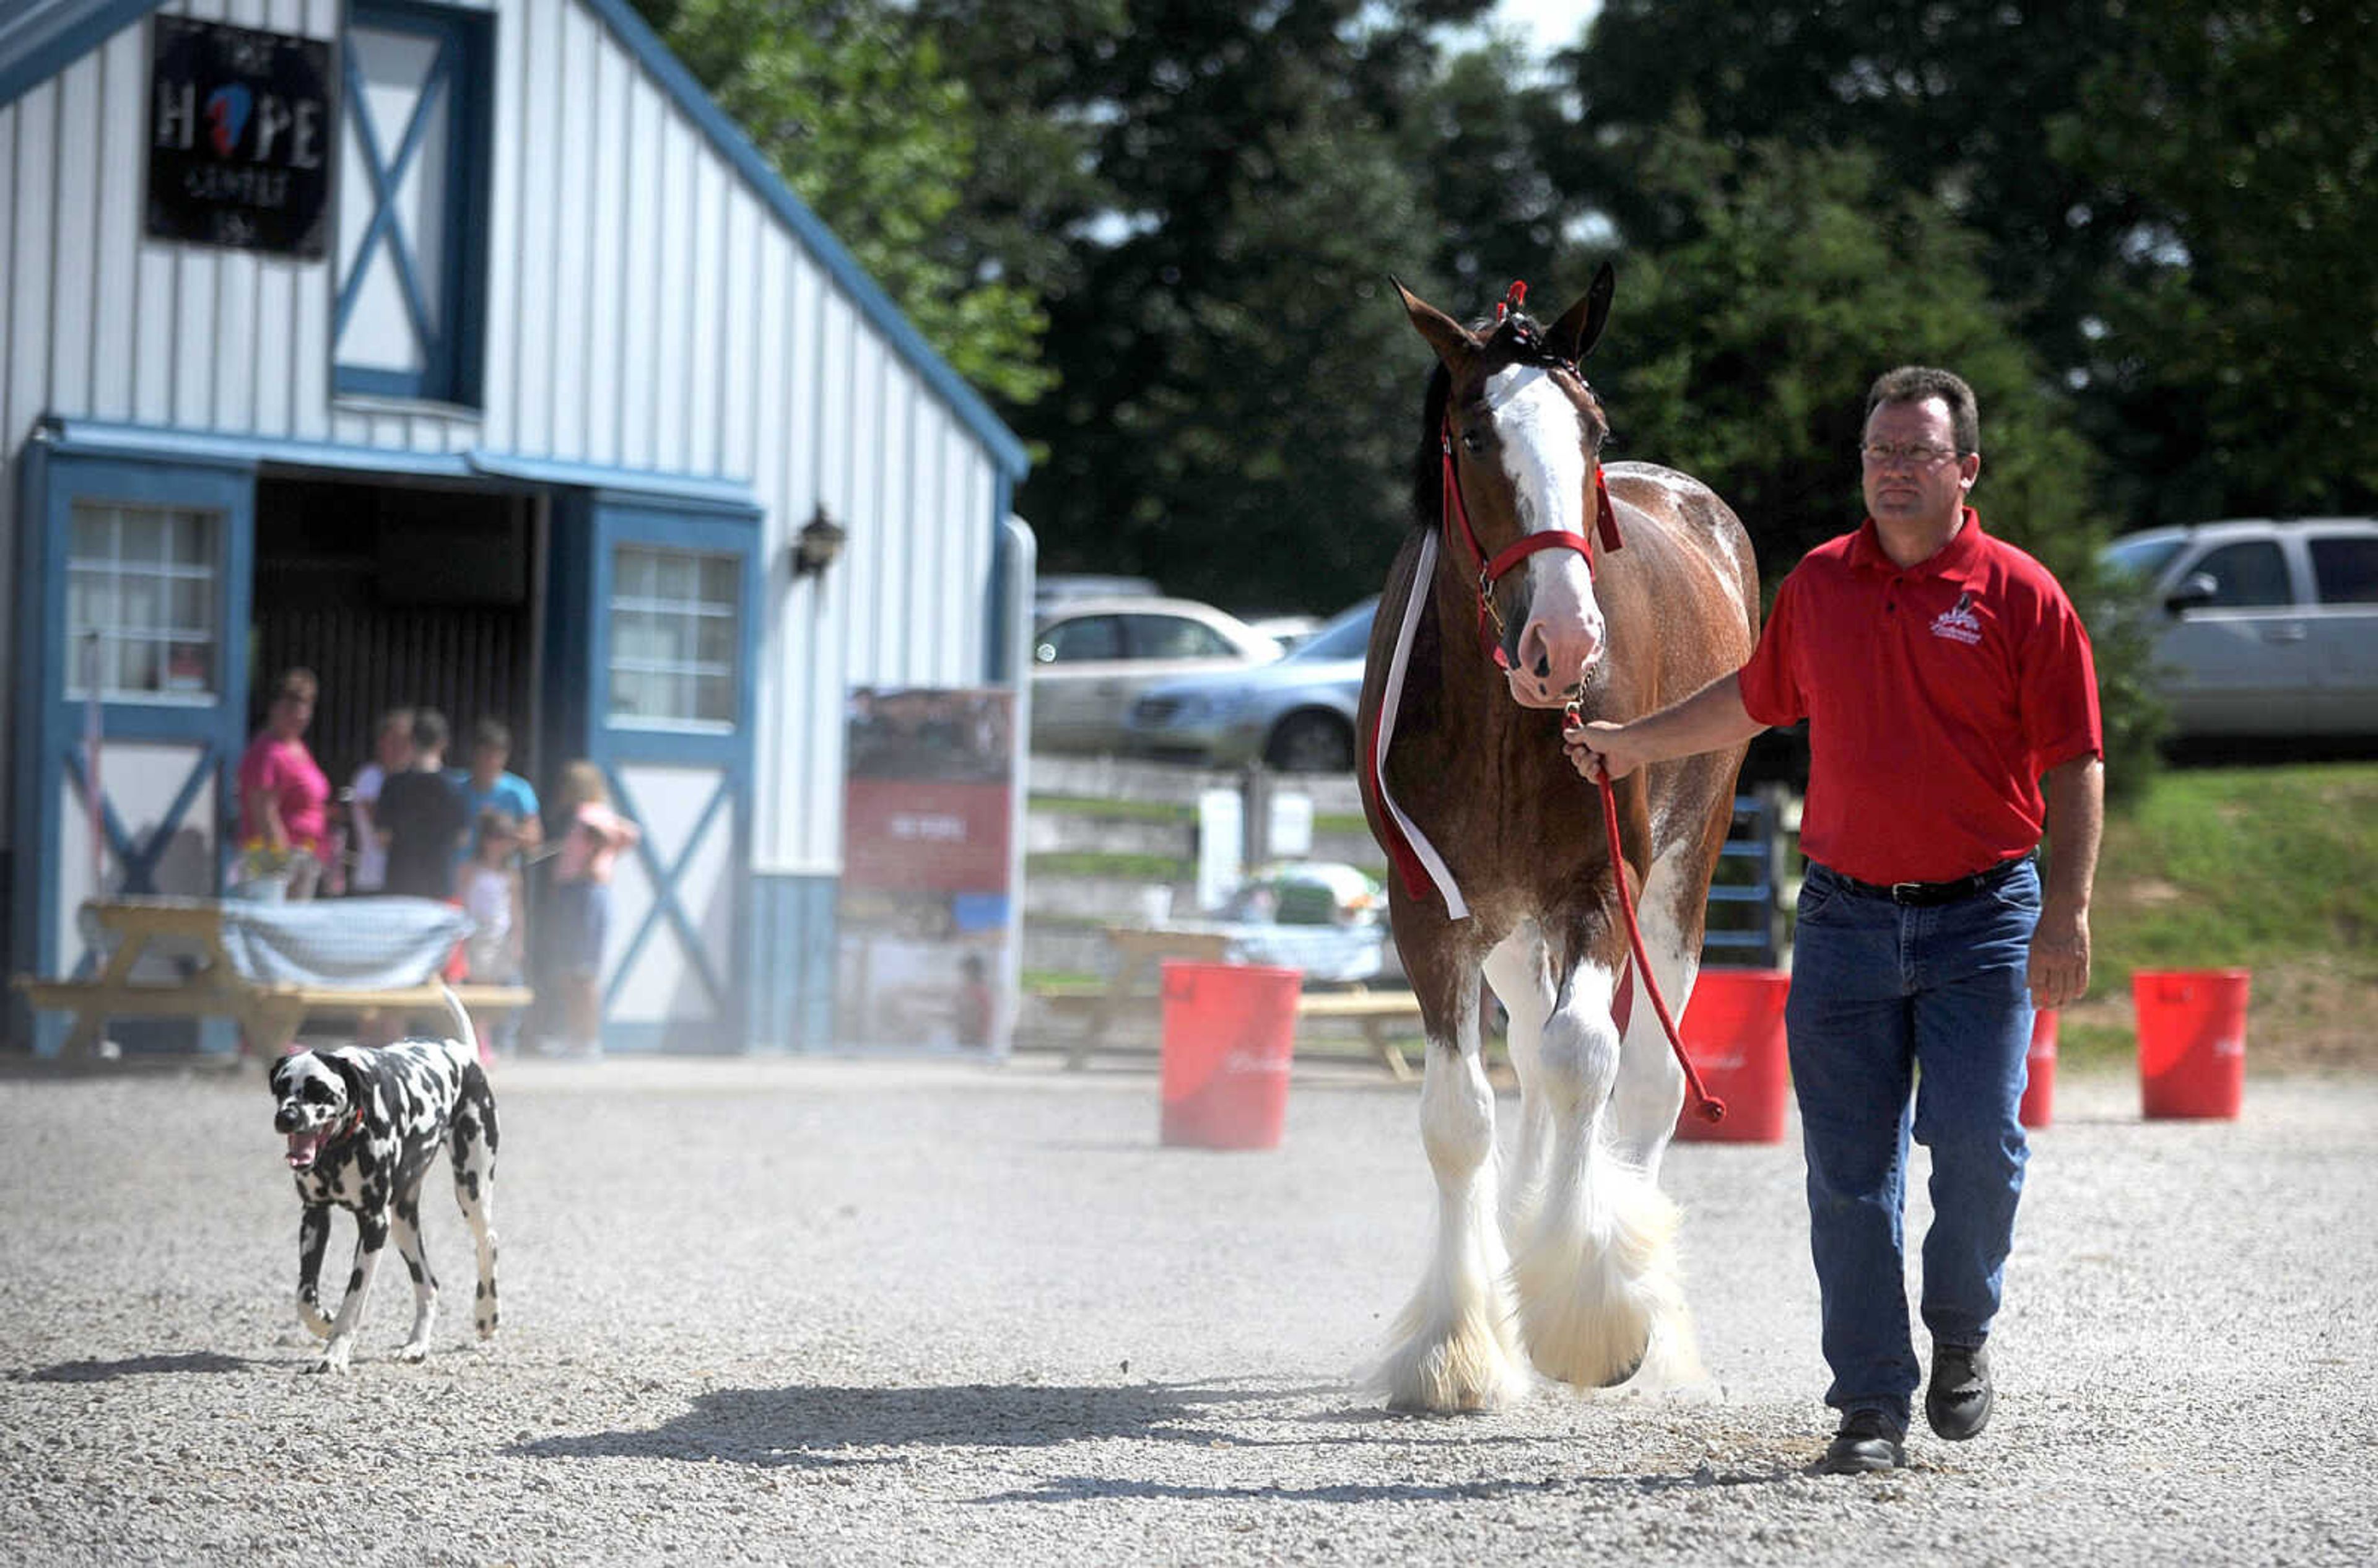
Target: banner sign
x,y
242,127
925,914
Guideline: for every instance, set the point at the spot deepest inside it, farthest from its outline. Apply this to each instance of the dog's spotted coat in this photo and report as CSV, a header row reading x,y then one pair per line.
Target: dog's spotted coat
x,y
364,1125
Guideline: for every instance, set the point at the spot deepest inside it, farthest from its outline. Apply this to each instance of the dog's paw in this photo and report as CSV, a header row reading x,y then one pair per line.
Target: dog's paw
x,y
334,1361
413,1353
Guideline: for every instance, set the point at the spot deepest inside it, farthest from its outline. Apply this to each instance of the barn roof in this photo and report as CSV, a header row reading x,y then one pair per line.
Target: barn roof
x,y
40,38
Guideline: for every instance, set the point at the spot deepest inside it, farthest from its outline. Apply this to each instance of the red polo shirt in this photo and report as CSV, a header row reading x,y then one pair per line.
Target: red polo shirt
x,y
1935,696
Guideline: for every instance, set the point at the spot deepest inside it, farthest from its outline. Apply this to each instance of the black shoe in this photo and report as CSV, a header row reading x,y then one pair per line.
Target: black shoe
x,y
1958,1400
1867,1442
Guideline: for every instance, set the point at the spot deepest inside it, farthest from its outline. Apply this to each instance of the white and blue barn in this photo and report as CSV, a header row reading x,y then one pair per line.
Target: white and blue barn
x,y
528,424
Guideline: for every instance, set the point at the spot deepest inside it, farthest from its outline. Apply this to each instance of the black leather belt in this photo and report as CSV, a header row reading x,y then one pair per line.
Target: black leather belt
x,y
1923,894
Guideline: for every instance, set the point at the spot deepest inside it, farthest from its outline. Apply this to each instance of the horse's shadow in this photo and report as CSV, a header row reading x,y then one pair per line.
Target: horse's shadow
x,y
834,1428
135,1366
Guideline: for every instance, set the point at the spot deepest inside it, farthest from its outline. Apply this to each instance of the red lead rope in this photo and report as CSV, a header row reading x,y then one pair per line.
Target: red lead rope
x,y
1706,1105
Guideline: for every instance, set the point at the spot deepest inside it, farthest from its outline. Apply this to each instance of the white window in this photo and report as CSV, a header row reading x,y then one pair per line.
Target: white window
x,y
676,623
140,598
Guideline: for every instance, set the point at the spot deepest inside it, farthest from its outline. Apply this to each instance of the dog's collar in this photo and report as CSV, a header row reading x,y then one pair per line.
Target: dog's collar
x,y
346,1129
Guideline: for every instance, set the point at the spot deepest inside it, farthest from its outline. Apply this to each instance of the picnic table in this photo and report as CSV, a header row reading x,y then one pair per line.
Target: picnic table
x,y
1344,955
265,966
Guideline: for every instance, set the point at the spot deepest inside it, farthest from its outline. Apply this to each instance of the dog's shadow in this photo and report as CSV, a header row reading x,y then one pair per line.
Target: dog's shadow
x,y
135,1366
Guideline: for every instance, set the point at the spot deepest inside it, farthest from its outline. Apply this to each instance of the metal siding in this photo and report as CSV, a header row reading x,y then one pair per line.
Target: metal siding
x,y
672,357
607,297
708,316
75,239
959,595
797,425
114,286
766,441
541,228
573,182
507,180
193,326
738,325
29,263
640,238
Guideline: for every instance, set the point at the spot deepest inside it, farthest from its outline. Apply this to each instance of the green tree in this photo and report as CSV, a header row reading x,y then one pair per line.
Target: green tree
x,y
1238,391
855,109
1742,350
2239,341
1954,101
1474,140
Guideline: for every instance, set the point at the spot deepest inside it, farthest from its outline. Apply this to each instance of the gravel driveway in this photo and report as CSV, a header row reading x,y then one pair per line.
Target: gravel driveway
x,y
926,1314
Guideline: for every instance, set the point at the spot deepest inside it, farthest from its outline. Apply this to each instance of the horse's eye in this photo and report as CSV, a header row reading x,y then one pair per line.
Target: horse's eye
x,y
1475,440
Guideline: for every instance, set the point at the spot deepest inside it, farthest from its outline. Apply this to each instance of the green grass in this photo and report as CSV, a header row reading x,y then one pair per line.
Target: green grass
x,y
1097,863
1090,806
2273,870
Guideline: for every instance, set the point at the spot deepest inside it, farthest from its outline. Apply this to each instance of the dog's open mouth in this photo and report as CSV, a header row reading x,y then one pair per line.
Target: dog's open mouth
x,y
305,1147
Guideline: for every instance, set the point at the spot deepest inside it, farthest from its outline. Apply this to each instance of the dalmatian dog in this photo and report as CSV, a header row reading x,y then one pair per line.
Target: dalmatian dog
x,y
364,1125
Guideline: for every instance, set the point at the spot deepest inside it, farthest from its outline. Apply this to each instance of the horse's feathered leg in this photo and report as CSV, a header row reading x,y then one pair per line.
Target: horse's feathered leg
x,y
1595,1277
1516,971
1453,1347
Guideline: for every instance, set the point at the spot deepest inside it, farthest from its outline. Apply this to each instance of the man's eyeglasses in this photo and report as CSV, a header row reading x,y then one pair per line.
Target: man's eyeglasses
x,y
1881,454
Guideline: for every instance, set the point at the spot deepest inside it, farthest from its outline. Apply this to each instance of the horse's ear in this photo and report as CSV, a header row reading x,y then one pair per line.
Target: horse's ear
x,y
1452,340
1574,335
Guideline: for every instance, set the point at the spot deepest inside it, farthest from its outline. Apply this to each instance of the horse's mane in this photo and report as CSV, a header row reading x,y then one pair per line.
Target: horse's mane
x,y
1429,458
1519,338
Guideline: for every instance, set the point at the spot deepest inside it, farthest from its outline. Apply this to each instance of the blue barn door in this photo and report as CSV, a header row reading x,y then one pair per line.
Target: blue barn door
x,y
656,601
134,591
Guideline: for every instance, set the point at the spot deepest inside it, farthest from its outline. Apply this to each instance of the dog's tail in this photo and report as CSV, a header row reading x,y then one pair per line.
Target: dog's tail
x,y
460,1017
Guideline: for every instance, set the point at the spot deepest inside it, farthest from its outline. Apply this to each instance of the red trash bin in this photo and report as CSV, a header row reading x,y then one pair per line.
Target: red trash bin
x,y
1734,1032
1229,1032
2192,1042
2039,1071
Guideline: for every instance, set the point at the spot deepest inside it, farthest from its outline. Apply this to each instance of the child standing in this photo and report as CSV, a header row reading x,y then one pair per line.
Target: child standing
x,y
577,913
489,888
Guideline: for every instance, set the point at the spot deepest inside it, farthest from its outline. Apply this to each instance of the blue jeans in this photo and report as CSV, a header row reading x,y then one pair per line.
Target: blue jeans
x,y
1878,992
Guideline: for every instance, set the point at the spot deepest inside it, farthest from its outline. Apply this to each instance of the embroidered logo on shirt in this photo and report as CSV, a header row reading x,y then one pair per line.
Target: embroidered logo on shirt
x,y
1958,623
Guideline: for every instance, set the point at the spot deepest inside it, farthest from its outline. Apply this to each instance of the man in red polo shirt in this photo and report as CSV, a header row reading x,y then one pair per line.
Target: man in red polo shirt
x,y
1953,716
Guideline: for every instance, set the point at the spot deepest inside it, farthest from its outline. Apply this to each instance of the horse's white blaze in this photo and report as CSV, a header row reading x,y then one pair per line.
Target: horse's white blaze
x,y
1542,444
1454,1348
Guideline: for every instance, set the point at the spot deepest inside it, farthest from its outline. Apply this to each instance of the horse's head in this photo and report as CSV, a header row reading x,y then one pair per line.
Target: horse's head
x,y
1526,433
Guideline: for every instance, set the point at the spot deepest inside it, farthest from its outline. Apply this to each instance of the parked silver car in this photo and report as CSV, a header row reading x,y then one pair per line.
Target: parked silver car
x,y
1091,658
1297,715
2261,628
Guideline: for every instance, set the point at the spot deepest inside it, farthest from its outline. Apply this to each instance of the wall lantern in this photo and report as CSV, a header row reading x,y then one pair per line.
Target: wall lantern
x,y
817,544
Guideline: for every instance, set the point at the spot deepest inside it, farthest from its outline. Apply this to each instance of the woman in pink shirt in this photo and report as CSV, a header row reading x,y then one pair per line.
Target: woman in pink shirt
x,y
284,795
577,915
